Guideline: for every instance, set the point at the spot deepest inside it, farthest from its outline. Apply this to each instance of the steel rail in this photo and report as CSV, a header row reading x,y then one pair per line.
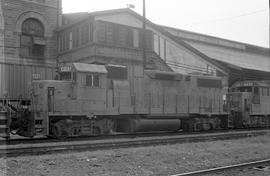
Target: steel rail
x,y
43,139
88,145
224,168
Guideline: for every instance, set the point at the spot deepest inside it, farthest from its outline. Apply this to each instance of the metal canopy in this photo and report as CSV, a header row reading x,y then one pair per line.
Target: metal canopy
x,y
82,67
237,73
244,58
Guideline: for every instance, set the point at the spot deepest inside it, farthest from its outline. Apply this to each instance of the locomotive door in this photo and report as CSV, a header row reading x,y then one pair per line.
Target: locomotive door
x,y
122,97
234,101
50,99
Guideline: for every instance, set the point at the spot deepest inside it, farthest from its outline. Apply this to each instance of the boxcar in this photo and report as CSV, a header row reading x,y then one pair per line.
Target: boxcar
x,y
15,79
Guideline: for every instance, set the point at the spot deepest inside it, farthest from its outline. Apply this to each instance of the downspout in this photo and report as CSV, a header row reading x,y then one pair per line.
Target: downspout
x,y
58,23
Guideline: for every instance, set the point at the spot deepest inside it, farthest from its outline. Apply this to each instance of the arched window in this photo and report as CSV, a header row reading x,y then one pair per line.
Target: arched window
x,y
33,27
32,38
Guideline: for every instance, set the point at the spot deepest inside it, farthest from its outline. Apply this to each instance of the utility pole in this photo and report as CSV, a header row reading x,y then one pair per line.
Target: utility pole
x,y
144,36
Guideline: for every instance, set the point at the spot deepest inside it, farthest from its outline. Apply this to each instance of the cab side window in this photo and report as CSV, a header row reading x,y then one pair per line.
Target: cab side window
x,y
92,80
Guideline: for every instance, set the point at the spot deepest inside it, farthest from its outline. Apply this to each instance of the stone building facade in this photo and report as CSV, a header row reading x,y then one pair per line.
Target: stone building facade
x,y
28,43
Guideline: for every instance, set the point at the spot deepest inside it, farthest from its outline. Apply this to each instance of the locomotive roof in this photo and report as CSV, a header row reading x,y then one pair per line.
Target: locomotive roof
x,y
82,67
155,74
251,83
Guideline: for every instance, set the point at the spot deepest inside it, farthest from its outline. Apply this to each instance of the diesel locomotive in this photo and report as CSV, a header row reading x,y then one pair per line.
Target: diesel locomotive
x,y
91,99
249,104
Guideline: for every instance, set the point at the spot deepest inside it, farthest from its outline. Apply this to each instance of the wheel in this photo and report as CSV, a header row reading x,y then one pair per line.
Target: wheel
x,y
96,131
199,127
58,132
211,126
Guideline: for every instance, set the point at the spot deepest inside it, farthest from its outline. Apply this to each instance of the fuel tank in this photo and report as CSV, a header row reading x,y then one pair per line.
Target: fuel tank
x,y
147,125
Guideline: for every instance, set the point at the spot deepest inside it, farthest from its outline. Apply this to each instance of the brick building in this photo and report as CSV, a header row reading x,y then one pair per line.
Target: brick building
x,y
28,43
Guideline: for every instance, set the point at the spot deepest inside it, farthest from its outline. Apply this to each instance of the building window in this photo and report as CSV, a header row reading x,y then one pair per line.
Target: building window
x,y
102,33
92,80
135,38
90,32
76,39
32,38
66,41
117,72
264,91
156,44
85,34
60,42
162,48
70,40
256,91
121,35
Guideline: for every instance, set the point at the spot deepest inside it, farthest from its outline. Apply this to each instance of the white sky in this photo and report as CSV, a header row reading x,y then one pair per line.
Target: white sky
x,y
240,20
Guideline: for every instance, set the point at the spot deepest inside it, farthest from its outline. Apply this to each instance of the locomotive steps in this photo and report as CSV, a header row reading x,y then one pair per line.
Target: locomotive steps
x,y
91,145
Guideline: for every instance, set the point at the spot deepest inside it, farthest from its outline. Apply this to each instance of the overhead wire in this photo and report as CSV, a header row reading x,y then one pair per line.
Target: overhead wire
x,y
230,18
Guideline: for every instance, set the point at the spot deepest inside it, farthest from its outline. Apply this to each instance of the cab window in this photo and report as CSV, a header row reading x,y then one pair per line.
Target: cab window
x,y
245,89
92,80
65,76
68,76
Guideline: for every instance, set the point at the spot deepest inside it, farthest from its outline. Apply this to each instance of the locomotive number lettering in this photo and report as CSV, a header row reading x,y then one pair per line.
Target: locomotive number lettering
x,y
65,69
36,76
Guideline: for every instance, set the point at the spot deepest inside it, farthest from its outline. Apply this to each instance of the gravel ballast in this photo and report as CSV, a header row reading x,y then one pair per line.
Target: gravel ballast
x,y
141,161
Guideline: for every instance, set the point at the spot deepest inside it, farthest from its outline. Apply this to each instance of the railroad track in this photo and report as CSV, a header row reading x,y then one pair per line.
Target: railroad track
x,y
42,139
11,150
253,164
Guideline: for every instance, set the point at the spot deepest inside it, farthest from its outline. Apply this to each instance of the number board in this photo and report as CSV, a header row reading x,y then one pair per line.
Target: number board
x,y
244,84
65,69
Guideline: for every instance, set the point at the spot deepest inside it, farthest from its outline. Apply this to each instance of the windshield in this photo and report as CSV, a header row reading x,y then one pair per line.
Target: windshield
x,y
65,76
242,89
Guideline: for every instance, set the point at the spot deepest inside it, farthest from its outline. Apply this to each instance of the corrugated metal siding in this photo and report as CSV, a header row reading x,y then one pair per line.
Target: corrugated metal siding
x,y
16,78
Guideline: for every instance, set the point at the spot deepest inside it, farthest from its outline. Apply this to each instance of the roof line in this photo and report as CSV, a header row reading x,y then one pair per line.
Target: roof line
x,y
164,32
215,37
182,43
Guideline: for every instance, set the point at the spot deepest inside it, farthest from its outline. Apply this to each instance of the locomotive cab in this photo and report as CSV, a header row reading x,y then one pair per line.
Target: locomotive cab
x,y
58,105
248,104
239,104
